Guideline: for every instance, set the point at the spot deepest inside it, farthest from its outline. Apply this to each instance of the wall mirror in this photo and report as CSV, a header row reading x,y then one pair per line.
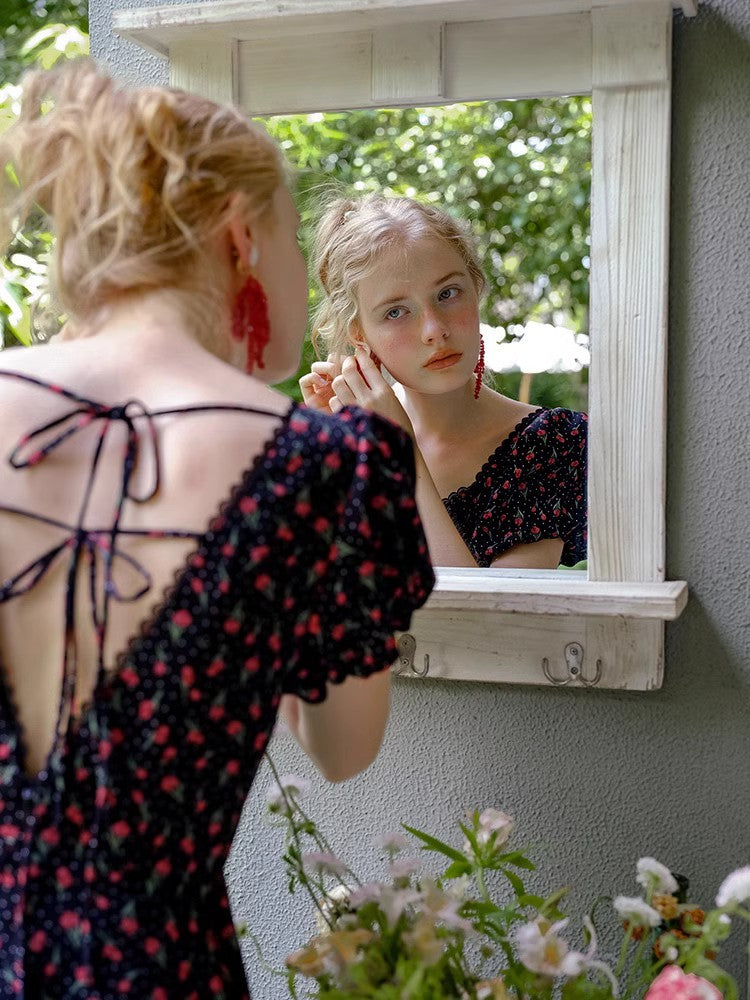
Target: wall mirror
x,y
603,628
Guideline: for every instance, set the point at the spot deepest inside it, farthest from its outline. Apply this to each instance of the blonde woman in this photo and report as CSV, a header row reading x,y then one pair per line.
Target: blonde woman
x,y
500,483
184,553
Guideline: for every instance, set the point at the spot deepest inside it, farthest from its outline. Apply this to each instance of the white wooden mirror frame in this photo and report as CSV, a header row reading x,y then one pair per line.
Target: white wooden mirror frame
x,y
286,56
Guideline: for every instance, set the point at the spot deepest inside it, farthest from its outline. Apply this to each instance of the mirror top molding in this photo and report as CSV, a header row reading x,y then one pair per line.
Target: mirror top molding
x,y
158,28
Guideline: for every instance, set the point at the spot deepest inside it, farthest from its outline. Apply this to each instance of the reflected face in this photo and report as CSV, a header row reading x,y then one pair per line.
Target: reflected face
x,y
282,272
419,312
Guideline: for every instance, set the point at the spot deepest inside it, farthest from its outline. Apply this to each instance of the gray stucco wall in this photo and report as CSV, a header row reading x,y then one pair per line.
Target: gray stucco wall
x,y
596,779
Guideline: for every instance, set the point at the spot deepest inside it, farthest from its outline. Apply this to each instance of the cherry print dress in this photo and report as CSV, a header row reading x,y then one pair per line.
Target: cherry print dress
x,y
533,486
111,857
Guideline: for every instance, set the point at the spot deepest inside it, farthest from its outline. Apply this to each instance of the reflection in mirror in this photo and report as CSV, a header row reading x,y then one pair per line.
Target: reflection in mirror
x,y
452,256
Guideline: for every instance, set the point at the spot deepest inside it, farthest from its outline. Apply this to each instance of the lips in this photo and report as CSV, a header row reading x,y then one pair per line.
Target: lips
x,y
443,359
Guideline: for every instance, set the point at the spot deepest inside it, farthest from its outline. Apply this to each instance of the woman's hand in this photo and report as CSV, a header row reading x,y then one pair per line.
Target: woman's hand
x,y
361,384
317,390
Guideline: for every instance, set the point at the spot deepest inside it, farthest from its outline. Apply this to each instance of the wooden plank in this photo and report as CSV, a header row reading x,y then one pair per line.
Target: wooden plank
x,y
158,27
209,69
518,57
628,322
507,649
407,64
559,594
292,75
633,45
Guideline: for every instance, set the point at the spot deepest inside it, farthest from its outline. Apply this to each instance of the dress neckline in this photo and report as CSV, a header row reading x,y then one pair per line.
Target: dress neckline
x,y
502,447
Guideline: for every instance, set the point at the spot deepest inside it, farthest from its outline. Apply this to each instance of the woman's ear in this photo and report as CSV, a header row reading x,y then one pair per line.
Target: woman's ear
x,y
242,248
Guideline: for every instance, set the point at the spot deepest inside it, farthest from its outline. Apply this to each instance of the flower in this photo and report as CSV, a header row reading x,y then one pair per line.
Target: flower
x,y
289,786
543,951
423,941
403,868
492,989
493,821
323,863
655,877
636,911
392,843
735,888
674,984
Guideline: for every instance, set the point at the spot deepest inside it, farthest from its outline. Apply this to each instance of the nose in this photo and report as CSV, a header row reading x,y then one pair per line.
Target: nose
x,y
434,328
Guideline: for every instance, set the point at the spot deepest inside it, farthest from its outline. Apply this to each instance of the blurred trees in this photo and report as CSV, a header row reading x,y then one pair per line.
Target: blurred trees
x,y
518,171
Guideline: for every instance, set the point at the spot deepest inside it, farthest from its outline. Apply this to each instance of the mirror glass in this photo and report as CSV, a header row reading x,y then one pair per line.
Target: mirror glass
x,y
518,172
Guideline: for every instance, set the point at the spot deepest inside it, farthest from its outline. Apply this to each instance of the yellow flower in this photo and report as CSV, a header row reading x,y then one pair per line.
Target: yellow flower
x,y
307,960
492,989
422,939
347,944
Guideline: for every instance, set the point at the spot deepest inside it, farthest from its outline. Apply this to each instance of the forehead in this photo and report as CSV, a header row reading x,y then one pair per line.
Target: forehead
x,y
408,264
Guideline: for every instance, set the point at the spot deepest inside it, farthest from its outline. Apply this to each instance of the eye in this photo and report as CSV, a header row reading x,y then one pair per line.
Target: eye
x,y
395,313
446,294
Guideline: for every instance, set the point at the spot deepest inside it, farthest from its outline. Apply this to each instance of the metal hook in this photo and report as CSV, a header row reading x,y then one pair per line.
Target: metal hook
x,y
574,660
406,645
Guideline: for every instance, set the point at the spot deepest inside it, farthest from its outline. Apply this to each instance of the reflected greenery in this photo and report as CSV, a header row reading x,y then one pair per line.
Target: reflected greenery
x,y
519,171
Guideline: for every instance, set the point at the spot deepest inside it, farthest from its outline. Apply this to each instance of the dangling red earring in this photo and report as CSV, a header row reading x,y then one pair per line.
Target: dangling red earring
x,y
250,321
479,370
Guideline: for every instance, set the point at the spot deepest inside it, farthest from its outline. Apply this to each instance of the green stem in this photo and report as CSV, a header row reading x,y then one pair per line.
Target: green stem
x,y
623,952
301,874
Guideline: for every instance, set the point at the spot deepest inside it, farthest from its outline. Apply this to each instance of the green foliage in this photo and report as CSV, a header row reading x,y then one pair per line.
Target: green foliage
x,y
26,312
519,171
19,22
430,937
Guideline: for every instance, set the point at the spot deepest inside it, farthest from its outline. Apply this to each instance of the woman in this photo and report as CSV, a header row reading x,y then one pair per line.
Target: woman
x,y
401,284
147,456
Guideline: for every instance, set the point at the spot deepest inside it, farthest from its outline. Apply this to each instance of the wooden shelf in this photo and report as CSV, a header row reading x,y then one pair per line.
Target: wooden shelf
x,y
555,593
158,28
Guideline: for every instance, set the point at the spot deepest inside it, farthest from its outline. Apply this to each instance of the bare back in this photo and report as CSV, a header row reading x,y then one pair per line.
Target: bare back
x,y
201,456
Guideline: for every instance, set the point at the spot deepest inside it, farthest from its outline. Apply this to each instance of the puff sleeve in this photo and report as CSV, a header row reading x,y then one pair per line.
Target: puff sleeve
x,y
366,566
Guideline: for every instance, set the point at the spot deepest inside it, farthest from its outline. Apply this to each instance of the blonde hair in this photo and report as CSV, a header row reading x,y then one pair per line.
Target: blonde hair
x,y
351,236
135,181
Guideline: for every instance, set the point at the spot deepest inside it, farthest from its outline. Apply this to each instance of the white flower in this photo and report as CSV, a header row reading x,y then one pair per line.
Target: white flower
x,y
492,823
289,786
392,902
735,888
636,911
456,889
655,877
497,822
367,893
543,951
392,843
403,867
323,864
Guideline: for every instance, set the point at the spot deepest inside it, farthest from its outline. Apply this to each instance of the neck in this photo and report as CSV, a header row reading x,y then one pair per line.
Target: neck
x,y
156,321
448,415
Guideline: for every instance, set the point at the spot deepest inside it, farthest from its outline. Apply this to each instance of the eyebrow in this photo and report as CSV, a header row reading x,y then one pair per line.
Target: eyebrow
x,y
397,298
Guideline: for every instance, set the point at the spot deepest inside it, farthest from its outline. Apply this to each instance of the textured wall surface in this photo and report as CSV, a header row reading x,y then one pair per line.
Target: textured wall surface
x,y
595,779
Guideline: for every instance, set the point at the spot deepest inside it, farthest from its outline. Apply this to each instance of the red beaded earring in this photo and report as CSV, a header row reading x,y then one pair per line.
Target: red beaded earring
x,y
479,370
250,321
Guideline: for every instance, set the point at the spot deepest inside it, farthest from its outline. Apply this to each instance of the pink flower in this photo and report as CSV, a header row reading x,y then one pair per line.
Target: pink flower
x,y
674,984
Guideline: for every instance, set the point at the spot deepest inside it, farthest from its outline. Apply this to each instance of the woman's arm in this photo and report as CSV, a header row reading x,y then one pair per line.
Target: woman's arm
x,y
544,554
342,734
361,384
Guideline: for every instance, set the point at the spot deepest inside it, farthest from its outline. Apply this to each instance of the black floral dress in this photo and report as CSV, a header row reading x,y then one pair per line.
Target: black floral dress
x,y
532,486
111,858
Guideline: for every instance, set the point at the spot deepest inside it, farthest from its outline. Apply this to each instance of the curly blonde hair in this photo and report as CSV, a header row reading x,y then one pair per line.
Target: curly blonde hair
x,y
350,237
135,181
